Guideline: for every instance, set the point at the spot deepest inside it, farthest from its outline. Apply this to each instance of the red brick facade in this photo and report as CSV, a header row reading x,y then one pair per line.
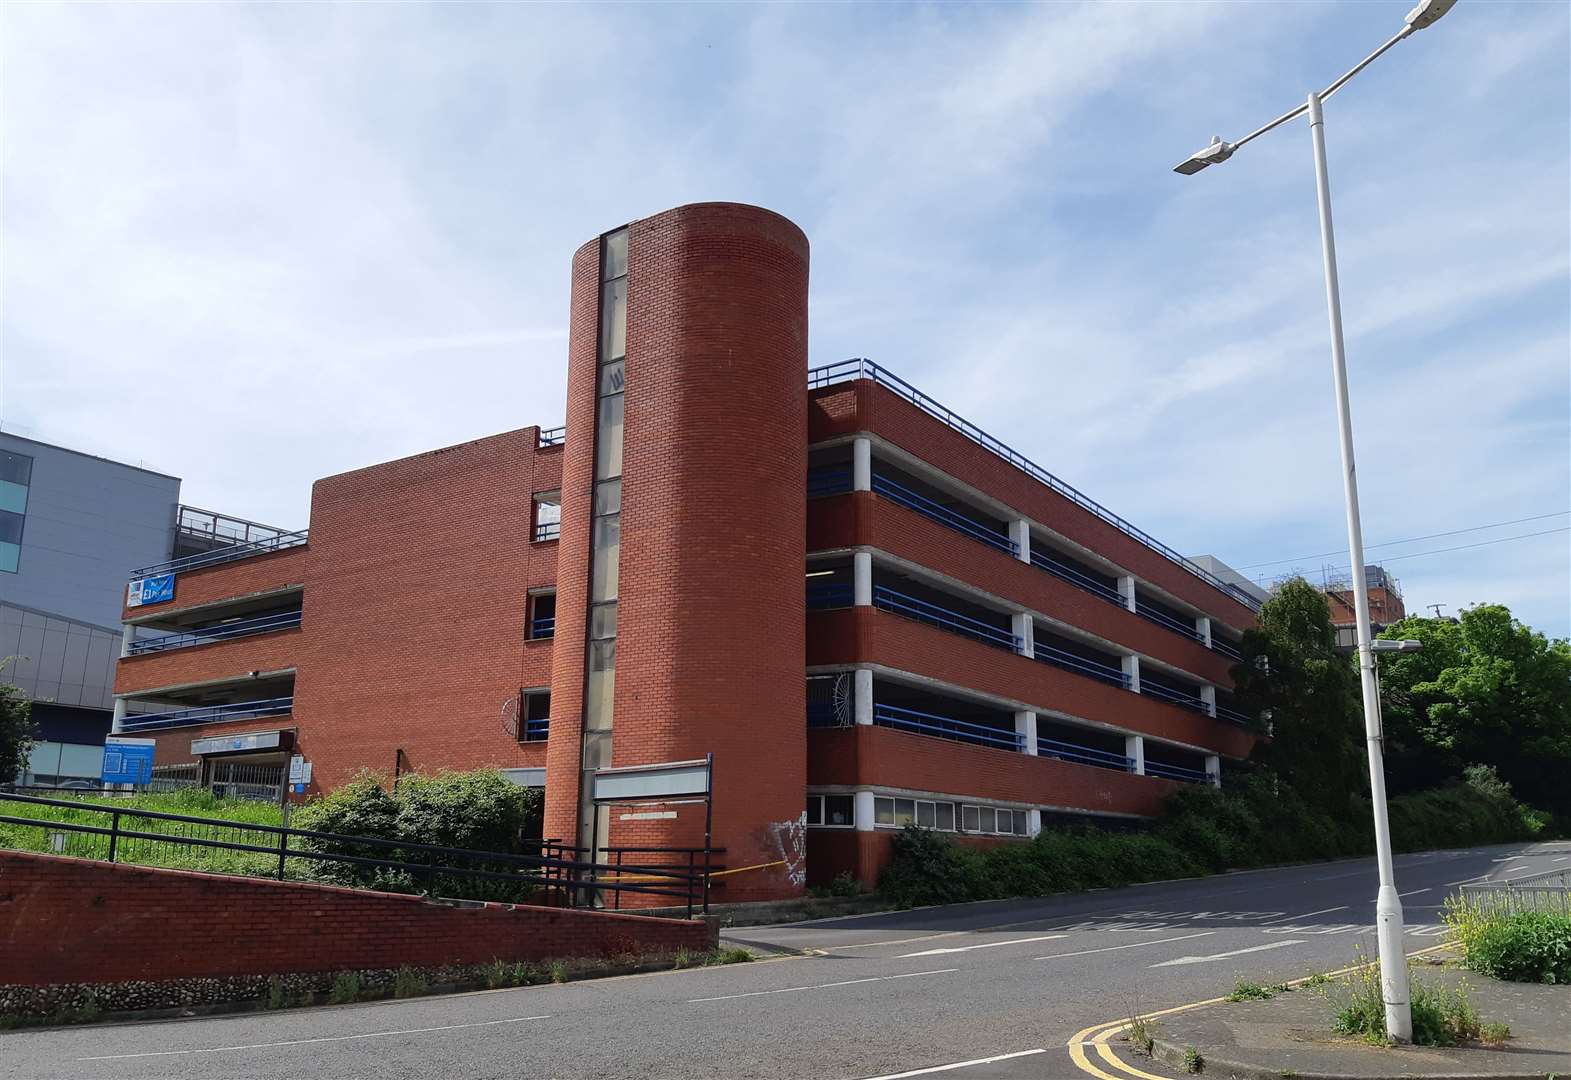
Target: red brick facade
x,y
81,921
415,580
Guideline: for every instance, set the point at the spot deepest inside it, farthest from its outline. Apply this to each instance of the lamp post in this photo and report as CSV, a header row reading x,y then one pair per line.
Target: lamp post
x,y
1388,907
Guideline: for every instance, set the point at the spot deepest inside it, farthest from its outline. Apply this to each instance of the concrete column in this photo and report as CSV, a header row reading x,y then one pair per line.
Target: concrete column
x,y
1135,750
1033,822
1126,589
862,695
1214,769
1208,698
1025,726
127,634
1203,628
862,579
1020,533
1131,666
862,811
117,725
861,464
1021,626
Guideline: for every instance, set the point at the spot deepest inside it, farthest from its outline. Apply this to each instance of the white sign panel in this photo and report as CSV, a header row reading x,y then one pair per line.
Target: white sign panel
x,y
652,781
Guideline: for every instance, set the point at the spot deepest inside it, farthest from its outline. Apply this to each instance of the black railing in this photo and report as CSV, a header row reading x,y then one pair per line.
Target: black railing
x,y
1224,647
567,881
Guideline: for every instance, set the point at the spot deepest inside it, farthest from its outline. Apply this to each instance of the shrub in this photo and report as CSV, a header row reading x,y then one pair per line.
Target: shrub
x,y
1528,946
346,988
1441,1016
728,956
1248,991
409,983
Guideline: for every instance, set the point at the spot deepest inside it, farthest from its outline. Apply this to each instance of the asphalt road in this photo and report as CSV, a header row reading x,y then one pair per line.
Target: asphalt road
x,y
903,993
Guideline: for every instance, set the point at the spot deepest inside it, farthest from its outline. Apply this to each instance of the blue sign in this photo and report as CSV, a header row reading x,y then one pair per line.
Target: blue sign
x,y
150,590
127,761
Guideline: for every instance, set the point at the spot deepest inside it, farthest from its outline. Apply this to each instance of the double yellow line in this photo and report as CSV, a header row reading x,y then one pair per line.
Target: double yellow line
x,y
1098,1036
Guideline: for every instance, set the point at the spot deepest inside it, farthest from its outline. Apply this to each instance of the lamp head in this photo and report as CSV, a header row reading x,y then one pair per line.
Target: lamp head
x,y
1217,152
1385,645
1427,13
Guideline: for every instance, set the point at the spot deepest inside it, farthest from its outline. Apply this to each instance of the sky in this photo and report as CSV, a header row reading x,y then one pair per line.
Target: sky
x,y
254,245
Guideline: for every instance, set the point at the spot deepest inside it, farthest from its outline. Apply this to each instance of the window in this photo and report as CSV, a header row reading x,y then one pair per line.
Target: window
x,y
991,821
971,819
548,516
831,811
537,716
542,616
899,813
16,474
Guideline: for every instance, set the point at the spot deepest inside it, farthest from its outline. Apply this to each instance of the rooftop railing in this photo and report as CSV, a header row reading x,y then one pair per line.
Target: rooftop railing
x,y
222,555
210,714
283,620
940,513
211,525
1080,665
1084,755
943,618
552,436
858,368
925,723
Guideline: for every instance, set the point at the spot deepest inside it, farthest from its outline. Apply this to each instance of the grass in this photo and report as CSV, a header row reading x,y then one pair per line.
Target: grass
x,y
1248,991
346,988
1193,1062
728,956
1441,1016
1527,946
409,983
1141,1034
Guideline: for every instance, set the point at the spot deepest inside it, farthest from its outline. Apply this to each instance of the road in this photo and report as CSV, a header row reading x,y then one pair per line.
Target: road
x,y
875,996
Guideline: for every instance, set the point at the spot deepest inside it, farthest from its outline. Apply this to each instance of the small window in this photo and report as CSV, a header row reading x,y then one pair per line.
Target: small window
x,y
989,820
883,811
945,817
542,616
926,816
548,516
536,724
905,811
840,810
971,818
1020,823
815,809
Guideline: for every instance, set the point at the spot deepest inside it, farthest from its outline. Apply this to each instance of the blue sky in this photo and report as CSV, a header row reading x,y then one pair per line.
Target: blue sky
x,y
255,245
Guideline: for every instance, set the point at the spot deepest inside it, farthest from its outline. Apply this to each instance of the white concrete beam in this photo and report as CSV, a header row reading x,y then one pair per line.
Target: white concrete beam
x,y
1135,750
1126,589
1020,533
862,695
1021,626
861,464
1214,769
1131,665
862,811
862,579
1203,628
1025,727
1208,698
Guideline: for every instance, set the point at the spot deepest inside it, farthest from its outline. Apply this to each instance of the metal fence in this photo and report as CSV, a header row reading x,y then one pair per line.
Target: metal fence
x,y
1549,891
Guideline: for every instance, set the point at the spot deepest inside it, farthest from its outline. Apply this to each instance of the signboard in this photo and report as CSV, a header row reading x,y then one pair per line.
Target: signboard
x,y
127,761
229,744
652,781
297,769
150,590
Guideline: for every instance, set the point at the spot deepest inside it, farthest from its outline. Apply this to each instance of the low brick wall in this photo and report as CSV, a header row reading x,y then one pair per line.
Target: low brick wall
x,y
65,920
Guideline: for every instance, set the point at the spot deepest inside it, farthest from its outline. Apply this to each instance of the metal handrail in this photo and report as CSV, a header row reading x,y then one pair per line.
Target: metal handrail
x,y
1074,577
901,604
209,524
821,482
222,555
552,436
1175,697
1549,890
543,627
1080,665
1177,772
537,730
1226,649
940,513
1225,713
923,722
1085,755
860,368
223,631
239,710
1163,619
548,530
835,594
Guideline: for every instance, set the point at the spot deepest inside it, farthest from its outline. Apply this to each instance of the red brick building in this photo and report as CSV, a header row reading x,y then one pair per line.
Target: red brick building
x,y
852,598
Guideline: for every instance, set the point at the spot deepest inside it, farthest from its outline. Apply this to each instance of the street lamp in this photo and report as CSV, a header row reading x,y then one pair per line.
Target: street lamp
x,y
1388,908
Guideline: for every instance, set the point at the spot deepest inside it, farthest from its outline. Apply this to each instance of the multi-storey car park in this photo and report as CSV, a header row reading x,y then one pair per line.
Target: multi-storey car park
x,y
975,645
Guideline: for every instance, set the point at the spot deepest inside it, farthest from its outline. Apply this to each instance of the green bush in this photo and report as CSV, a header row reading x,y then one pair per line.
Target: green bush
x,y
1528,946
1441,1016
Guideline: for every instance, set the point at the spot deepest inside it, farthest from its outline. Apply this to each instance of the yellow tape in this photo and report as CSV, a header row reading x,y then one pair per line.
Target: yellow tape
x,y
718,873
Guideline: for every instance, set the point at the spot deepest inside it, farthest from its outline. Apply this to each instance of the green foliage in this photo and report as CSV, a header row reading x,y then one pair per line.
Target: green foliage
x,y
409,983
1461,815
728,956
17,730
558,971
845,883
682,958
1193,1062
1527,946
346,988
275,997
1249,991
1485,689
1441,1016
1141,1034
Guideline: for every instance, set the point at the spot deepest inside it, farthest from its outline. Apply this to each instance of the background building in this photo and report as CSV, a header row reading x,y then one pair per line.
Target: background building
x,y
866,610
1385,603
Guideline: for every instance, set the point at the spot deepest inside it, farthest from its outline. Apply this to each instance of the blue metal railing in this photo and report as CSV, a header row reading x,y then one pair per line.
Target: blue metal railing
x,y
1080,665
1233,715
822,482
210,714
940,513
822,714
1162,619
223,555
829,594
542,627
548,530
858,368
1177,772
1085,755
552,436
946,727
223,631
1225,648
537,730
1174,697
909,606
1079,580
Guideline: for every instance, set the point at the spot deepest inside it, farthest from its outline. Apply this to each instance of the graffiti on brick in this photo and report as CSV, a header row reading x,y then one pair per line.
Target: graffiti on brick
x,y
788,841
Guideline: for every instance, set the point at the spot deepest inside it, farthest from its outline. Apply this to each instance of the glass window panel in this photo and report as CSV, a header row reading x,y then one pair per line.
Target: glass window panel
x,y
537,705
615,262
839,810
946,817
883,811
607,546
608,441
989,820
608,497
13,497
611,378
1020,822
613,319
17,468
10,555
905,811
547,512
970,818
925,816
815,810
602,621
10,527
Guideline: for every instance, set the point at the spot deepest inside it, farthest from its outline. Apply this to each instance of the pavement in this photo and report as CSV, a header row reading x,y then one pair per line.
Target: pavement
x,y
1010,990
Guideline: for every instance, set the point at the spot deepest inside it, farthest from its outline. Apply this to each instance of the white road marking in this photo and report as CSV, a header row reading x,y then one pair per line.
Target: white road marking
x,y
1464,881
821,986
1509,858
984,945
1225,955
1305,915
1131,945
1414,892
899,941
323,1039
957,1065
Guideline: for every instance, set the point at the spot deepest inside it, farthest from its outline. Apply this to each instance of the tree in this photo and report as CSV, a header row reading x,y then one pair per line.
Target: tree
x,y
16,730
1291,667
1486,690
